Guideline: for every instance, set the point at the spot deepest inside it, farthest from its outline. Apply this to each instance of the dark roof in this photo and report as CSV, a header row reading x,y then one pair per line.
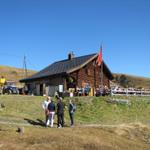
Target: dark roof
x,y
64,66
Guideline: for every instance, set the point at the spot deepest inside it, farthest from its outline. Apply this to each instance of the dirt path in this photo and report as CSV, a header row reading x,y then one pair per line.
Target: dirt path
x,y
130,125
13,123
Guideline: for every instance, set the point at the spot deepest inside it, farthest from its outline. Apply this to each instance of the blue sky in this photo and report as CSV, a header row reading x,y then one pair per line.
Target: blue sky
x,y
47,30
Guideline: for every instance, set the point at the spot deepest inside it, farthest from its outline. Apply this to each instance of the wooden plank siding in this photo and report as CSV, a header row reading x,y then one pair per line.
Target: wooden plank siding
x,y
91,74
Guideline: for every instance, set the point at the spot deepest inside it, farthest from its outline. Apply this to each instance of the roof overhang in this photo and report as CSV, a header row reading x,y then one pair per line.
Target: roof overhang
x,y
43,77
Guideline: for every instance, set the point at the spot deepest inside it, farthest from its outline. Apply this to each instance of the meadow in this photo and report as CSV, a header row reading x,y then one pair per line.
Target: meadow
x,y
98,124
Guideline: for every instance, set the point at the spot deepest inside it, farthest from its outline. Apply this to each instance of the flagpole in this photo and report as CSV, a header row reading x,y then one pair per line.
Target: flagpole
x,y
100,64
102,74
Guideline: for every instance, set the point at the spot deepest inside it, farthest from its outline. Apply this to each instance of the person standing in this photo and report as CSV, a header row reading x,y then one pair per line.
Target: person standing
x,y
2,84
45,106
51,113
60,113
71,109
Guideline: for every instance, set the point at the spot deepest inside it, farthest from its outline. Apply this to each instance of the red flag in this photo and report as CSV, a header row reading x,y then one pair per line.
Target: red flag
x,y
99,58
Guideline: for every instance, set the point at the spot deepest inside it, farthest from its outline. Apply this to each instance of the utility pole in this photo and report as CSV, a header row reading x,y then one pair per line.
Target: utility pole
x,y
25,73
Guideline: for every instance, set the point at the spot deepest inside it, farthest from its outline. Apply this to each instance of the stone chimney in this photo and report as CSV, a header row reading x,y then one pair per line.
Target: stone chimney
x,y
71,56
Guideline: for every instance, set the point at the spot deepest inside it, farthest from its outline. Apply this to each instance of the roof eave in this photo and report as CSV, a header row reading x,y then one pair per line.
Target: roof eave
x,y
32,79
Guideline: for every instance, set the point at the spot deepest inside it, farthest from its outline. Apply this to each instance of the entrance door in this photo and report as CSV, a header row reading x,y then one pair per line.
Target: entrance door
x,y
71,82
41,89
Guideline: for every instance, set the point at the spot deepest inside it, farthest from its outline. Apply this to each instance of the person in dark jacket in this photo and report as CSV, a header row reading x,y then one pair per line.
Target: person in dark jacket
x,y
60,113
51,113
71,109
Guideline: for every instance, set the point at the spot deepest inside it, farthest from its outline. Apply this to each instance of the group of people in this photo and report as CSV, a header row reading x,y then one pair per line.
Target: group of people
x,y
50,109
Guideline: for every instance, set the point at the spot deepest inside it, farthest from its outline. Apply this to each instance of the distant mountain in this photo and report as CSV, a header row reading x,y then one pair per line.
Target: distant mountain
x,y
14,74
125,80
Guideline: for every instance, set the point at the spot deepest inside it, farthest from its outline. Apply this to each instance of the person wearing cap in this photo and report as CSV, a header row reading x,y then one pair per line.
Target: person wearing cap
x,y
45,106
60,113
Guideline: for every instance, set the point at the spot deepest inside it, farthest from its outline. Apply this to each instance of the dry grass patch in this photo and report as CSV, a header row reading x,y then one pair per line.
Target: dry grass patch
x,y
88,138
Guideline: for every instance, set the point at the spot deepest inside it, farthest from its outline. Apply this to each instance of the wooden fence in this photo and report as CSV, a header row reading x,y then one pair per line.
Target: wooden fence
x,y
128,92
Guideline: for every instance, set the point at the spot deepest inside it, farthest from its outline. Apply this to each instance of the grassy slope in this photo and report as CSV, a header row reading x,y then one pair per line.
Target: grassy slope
x,y
137,81
90,110
13,74
16,74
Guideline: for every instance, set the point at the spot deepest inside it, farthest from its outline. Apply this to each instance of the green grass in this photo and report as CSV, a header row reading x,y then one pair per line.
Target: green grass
x,y
98,111
90,110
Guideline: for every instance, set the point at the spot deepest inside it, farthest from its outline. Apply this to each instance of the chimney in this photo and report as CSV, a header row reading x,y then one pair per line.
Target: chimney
x,y
71,56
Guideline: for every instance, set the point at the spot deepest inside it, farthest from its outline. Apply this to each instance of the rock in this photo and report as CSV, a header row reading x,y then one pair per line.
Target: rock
x,y
20,130
2,105
119,101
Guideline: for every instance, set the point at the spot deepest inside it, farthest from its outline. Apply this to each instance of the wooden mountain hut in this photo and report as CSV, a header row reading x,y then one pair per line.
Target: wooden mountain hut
x,y
72,73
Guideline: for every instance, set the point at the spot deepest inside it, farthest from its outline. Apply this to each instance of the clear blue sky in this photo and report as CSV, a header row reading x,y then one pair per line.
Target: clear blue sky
x,y
47,30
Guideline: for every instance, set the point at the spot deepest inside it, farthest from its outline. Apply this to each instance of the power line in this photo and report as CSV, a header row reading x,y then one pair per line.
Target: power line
x,y
9,54
14,56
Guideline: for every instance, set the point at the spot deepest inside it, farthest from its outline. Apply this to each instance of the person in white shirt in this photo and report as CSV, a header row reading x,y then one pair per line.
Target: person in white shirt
x,y
45,106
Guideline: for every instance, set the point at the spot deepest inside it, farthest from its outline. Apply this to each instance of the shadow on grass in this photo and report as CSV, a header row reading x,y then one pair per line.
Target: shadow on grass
x,y
36,122
39,122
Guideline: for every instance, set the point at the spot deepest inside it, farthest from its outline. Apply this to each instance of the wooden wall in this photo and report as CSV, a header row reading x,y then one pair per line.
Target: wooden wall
x,y
40,86
90,74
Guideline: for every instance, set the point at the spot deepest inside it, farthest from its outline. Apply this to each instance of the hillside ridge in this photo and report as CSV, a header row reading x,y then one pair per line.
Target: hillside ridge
x,y
121,79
